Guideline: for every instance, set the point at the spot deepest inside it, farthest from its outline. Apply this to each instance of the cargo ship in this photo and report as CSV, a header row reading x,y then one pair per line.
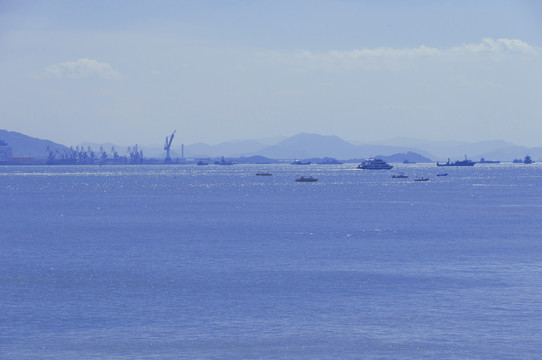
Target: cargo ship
x,y
484,161
465,162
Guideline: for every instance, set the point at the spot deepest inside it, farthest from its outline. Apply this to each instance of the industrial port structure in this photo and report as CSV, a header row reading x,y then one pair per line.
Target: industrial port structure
x,y
87,156
167,146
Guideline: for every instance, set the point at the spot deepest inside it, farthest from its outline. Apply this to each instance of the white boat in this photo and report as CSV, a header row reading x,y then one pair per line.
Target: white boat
x,y
374,164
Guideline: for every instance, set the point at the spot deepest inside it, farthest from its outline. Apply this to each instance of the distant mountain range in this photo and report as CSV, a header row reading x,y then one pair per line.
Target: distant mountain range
x,y
305,146
302,146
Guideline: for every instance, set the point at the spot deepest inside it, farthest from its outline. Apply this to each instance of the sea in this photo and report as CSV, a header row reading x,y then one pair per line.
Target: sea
x,y
214,262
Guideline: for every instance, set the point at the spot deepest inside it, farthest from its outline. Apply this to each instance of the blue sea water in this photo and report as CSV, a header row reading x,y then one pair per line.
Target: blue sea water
x,y
192,262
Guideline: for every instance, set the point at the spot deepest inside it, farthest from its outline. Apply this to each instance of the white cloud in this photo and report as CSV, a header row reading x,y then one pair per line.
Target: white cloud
x,y
497,46
386,56
385,52
82,68
487,46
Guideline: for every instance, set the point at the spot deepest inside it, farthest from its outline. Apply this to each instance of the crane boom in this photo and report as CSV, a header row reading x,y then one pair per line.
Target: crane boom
x,y
167,146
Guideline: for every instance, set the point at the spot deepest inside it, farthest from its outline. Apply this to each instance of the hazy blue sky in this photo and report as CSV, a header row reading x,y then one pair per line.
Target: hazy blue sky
x,y
133,71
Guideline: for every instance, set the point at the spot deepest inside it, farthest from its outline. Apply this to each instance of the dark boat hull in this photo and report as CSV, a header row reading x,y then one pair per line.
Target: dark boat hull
x,y
458,163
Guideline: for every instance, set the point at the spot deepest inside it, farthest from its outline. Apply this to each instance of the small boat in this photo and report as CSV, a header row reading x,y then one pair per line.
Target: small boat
x,y
526,160
306,179
400,176
442,174
329,161
263,173
299,162
421,179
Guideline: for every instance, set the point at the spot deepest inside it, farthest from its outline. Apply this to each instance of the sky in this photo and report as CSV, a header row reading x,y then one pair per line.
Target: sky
x,y
131,72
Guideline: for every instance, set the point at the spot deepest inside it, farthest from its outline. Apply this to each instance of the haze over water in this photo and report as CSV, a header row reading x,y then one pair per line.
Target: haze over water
x,y
173,262
131,72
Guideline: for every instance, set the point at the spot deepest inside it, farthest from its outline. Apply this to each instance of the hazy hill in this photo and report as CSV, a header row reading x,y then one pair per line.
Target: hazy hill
x,y
455,150
512,152
230,148
23,145
303,146
310,145
408,156
387,150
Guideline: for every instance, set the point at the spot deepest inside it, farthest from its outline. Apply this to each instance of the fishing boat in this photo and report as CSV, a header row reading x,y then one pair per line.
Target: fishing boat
x,y
526,160
263,173
299,162
306,179
442,174
400,176
421,179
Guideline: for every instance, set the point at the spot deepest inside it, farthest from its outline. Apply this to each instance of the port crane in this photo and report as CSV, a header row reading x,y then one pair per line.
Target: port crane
x,y
167,146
